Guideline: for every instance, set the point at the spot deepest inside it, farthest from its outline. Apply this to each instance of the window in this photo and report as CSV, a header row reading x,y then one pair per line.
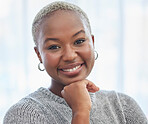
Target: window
x,y
120,29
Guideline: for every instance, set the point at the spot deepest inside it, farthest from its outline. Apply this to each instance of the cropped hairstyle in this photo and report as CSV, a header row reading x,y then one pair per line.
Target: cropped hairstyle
x,y
52,7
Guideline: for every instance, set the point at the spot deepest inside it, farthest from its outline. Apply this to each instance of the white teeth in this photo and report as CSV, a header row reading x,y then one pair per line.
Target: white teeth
x,y
72,69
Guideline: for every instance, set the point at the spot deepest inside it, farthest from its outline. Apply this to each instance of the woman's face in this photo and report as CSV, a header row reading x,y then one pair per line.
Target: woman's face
x,y
65,46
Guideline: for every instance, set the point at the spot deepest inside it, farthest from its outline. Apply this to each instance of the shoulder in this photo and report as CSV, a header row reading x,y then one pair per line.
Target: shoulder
x,y
20,112
132,111
113,95
106,95
27,110
124,100
126,104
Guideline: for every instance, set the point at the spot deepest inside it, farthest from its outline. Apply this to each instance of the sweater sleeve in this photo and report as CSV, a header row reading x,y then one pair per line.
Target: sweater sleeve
x,y
25,113
132,112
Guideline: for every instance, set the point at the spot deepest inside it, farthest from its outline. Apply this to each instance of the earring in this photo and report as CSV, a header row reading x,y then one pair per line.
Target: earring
x,y
40,67
96,57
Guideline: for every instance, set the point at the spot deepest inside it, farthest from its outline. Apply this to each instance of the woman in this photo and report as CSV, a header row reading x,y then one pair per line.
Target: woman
x,y
65,46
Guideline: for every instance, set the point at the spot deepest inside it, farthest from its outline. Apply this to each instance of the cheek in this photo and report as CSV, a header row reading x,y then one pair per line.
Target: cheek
x,y
88,57
50,60
88,53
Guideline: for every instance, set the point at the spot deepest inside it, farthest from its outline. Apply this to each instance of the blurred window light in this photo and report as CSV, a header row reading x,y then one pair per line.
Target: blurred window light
x,y
120,29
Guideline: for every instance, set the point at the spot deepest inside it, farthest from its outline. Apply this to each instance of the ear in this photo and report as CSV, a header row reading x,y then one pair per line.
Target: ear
x,y
92,36
38,54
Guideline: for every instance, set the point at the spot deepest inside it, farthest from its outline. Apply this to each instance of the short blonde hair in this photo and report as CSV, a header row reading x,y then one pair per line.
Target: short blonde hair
x,y
52,7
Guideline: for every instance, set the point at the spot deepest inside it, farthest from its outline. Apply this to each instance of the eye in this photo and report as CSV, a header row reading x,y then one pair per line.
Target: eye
x,y
79,41
53,47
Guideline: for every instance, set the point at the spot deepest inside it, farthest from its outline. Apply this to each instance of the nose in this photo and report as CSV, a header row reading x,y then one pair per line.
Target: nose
x,y
69,54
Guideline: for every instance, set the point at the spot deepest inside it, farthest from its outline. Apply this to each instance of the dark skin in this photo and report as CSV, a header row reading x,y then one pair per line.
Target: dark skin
x,y
80,108
65,47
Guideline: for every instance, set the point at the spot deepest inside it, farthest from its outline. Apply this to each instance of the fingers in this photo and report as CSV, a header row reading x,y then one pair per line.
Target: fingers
x,y
91,87
77,97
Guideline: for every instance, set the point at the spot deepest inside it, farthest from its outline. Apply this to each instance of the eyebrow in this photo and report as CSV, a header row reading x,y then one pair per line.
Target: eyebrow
x,y
53,39
56,39
81,31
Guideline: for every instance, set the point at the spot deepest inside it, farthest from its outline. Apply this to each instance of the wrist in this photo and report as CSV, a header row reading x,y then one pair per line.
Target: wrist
x,y
81,113
81,108
81,117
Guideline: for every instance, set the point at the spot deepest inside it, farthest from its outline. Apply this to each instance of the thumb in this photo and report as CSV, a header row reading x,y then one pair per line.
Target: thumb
x,y
62,93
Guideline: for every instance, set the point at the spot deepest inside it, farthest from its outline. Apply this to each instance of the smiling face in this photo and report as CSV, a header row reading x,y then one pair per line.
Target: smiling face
x,y
65,46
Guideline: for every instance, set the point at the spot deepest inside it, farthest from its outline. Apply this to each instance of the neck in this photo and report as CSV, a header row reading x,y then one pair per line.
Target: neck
x,y
56,87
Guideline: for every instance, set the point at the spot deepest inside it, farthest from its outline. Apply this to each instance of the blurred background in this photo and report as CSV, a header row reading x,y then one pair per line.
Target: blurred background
x,y
120,28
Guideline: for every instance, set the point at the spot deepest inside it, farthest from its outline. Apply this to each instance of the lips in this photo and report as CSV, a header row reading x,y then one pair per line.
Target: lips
x,y
71,69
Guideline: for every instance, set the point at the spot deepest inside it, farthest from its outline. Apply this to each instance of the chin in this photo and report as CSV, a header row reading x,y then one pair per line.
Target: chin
x,y
70,81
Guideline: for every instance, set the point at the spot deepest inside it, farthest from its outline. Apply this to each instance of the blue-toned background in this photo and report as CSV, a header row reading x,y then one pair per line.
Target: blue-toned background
x,y
120,28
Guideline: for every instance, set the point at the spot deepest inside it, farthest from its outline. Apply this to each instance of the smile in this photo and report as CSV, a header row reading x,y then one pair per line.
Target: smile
x,y
72,69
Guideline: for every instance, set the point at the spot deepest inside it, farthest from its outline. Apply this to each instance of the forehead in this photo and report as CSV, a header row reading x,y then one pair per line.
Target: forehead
x,y
62,20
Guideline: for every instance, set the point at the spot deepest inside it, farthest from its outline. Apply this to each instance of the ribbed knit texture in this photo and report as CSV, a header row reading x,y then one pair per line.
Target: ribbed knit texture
x,y
44,107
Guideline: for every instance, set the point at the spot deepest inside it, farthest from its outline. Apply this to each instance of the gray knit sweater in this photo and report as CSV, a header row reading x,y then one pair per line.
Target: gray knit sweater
x,y
43,107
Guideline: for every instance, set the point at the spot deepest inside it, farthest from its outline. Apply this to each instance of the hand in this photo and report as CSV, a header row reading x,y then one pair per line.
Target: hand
x,y
77,96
